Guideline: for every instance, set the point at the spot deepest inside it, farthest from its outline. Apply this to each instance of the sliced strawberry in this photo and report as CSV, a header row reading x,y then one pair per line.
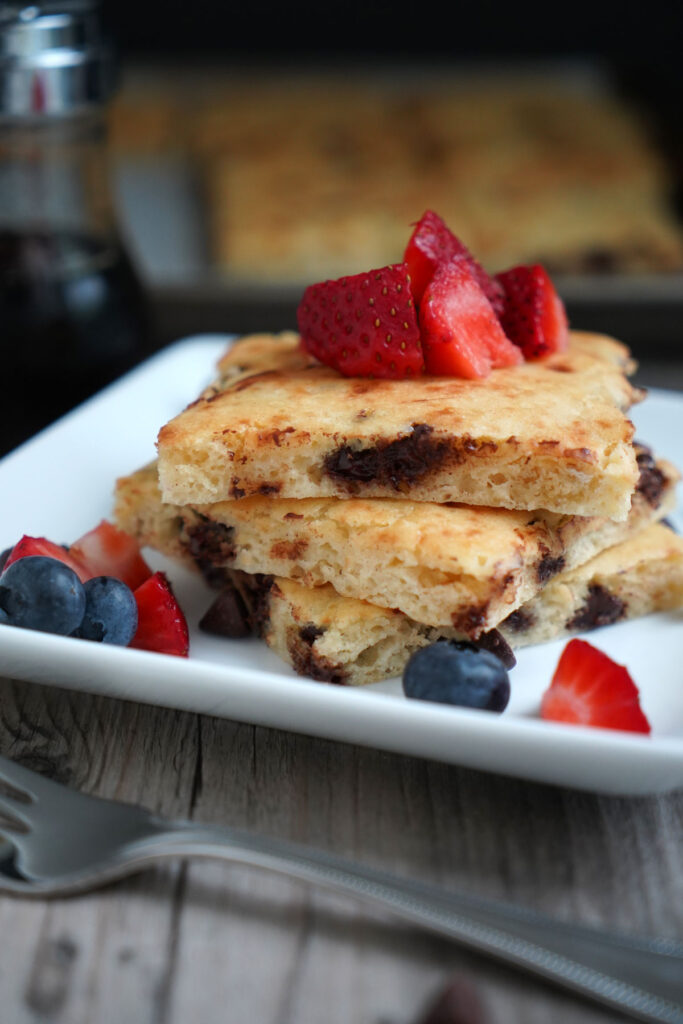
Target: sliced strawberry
x,y
533,315
588,688
162,626
108,551
41,546
432,244
461,334
364,325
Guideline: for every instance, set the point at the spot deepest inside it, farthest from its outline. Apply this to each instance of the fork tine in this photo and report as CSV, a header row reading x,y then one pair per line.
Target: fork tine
x,y
25,781
14,811
10,832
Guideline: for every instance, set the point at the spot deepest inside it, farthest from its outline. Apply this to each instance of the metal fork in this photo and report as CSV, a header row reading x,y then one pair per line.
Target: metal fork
x,y
59,842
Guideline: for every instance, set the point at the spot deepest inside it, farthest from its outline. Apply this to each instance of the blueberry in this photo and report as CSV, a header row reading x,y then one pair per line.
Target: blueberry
x,y
111,614
451,672
37,592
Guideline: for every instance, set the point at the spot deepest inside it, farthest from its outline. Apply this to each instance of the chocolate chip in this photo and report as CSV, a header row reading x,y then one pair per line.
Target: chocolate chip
x,y
242,607
496,643
598,260
227,616
307,662
470,621
549,566
209,543
601,608
651,481
519,621
389,463
310,633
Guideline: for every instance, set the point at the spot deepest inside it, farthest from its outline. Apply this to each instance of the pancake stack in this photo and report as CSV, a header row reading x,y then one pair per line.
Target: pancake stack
x,y
350,521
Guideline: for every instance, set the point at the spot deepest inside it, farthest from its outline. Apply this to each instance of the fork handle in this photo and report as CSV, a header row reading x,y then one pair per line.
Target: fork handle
x,y
643,978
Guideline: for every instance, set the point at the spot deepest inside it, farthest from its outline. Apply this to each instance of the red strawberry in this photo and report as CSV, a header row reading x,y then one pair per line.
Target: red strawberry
x,y
432,244
108,551
533,316
41,546
365,325
460,331
588,688
162,626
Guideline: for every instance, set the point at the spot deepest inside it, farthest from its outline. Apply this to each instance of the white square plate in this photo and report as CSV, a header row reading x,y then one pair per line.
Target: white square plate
x,y
60,484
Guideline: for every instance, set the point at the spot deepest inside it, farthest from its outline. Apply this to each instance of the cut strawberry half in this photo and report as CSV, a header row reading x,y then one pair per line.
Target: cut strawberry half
x,y
588,688
461,334
42,546
364,325
533,314
430,246
108,551
162,627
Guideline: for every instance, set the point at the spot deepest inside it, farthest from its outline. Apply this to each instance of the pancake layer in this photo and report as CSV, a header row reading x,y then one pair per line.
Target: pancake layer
x,y
550,434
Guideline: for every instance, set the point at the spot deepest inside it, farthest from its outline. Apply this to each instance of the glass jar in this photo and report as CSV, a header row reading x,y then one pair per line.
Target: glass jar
x,y
73,313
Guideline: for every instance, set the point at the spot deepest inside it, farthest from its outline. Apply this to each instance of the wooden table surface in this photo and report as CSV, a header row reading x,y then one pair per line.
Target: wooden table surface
x,y
206,942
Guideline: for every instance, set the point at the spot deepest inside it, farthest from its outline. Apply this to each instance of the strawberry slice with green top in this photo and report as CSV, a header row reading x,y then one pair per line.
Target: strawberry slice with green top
x,y
162,627
588,688
108,551
461,334
27,545
533,314
431,245
364,325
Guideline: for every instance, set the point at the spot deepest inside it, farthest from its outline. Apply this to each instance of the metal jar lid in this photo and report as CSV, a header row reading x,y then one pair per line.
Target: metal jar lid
x,y
53,59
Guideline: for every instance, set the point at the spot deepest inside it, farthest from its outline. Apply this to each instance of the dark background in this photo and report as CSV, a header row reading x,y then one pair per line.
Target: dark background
x,y
638,45
637,42
640,33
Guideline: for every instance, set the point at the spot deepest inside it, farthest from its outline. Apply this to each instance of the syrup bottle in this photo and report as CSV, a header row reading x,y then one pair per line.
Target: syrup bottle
x,y
73,313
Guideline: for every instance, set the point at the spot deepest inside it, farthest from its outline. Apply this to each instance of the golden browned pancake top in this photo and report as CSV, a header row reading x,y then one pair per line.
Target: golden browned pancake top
x,y
551,433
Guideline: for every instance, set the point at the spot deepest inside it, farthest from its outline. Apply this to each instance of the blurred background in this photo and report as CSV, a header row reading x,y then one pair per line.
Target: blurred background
x,y
254,149
259,148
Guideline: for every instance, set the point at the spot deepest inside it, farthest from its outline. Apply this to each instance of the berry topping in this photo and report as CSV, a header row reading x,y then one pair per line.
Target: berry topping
x,y
533,315
41,546
111,612
38,592
438,311
364,325
451,672
430,246
108,551
588,688
461,334
161,624
99,589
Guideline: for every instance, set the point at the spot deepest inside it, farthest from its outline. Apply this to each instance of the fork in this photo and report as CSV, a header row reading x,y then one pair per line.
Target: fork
x,y
59,842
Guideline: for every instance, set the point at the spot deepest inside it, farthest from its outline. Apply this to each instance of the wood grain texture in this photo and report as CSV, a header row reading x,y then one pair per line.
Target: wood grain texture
x,y
208,942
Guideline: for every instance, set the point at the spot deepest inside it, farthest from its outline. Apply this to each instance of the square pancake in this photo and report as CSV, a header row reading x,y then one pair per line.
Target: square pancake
x,y
458,566
345,641
549,434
